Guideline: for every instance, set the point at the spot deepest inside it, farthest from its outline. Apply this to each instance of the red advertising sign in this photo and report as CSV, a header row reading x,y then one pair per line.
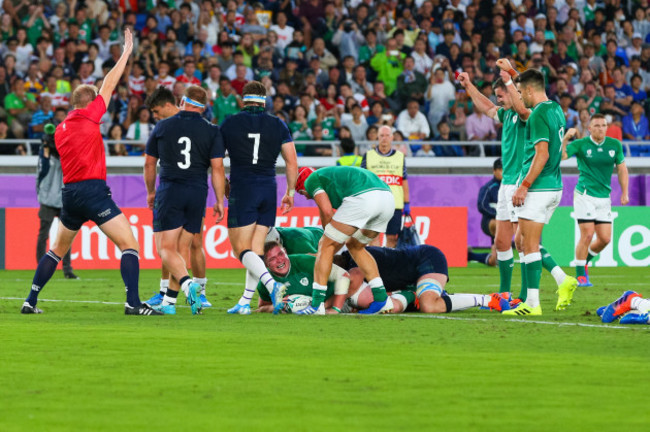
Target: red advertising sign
x,y
444,227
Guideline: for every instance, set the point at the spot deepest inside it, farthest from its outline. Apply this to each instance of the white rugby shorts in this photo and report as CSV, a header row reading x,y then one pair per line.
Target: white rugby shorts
x,y
370,210
505,208
539,206
588,208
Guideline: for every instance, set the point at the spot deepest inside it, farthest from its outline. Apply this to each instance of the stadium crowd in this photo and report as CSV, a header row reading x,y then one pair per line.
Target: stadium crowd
x,y
333,69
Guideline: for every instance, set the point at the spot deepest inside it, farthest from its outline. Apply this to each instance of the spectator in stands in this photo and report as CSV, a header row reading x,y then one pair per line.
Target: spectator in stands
x,y
299,127
9,149
370,48
292,77
638,94
40,118
614,129
188,76
583,123
388,64
412,123
480,128
445,134
116,133
283,30
570,114
411,84
20,106
227,102
360,83
425,151
349,157
635,124
140,131
623,90
357,123
439,94
327,59
610,104
423,63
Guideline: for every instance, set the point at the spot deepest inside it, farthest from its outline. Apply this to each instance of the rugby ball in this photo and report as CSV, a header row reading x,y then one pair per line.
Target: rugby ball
x,y
296,302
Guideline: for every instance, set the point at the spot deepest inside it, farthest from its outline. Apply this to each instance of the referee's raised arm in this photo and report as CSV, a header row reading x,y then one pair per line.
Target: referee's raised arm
x,y
113,76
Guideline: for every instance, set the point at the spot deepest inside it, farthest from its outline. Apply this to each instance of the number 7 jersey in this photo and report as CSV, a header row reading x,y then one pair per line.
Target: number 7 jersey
x,y
185,143
545,123
254,140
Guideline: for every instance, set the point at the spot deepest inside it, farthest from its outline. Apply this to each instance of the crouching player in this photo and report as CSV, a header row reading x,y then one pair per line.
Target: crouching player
x,y
296,240
296,273
423,267
631,302
364,205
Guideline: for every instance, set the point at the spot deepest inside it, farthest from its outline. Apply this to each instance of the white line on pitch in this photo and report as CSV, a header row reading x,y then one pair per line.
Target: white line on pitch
x,y
414,315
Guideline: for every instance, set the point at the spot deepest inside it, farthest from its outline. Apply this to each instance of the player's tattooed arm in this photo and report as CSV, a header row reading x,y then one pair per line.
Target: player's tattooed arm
x,y
481,102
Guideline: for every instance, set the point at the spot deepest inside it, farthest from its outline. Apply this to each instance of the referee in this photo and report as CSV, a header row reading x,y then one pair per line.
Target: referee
x,y
85,193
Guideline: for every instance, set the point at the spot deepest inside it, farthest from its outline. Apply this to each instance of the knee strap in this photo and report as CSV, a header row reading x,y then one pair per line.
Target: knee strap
x,y
429,285
358,235
336,235
354,298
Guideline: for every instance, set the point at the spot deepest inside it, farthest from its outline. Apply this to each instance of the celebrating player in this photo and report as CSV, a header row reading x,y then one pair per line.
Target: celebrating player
x,y
540,185
423,267
296,272
364,205
254,140
163,105
596,154
296,240
85,193
187,145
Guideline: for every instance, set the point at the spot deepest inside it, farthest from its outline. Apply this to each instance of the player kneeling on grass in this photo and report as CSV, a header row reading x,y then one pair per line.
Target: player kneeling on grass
x,y
423,268
631,308
296,272
364,205
592,203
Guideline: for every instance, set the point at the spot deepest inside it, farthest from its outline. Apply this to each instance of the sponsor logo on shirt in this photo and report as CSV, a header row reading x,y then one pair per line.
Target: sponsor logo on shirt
x,y
304,281
612,153
589,153
514,118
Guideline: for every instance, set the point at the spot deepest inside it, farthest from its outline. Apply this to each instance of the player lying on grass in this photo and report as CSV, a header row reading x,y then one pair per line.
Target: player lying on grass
x,y
597,154
296,240
85,193
421,268
296,272
631,308
364,205
163,105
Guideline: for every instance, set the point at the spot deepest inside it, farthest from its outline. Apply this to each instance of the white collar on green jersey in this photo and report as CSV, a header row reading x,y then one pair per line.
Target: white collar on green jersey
x,y
594,141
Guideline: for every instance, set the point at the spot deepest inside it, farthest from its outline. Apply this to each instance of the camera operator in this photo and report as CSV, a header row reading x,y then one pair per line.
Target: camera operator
x,y
349,39
48,188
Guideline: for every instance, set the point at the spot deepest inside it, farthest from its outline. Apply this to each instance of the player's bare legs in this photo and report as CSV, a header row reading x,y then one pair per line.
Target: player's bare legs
x,y
248,245
197,258
172,245
505,259
531,233
63,241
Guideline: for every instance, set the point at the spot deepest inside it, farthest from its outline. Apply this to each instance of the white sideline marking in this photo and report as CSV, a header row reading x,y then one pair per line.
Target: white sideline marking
x,y
413,315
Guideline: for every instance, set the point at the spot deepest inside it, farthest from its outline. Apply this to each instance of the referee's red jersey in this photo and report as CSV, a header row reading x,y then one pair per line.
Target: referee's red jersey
x,y
80,144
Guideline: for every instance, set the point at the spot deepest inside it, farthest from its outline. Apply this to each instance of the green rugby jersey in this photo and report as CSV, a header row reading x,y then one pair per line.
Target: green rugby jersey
x,y
512,144
300,240
595,164
339,182
545,123
299,280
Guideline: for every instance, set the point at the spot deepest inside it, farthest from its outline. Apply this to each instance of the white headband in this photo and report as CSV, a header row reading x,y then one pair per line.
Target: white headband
x,y
255,98
192,102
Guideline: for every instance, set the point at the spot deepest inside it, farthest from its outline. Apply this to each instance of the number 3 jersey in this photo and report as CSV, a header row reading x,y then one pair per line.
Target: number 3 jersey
x,y
185,143
254,140
545,123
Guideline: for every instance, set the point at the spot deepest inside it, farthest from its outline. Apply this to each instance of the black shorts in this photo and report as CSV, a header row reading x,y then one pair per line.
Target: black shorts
x,y
395,224
179,205
485,225
87,200
430,259
252,203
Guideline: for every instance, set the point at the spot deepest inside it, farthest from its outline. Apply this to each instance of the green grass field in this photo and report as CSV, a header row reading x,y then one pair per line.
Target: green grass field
x,y
84,366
